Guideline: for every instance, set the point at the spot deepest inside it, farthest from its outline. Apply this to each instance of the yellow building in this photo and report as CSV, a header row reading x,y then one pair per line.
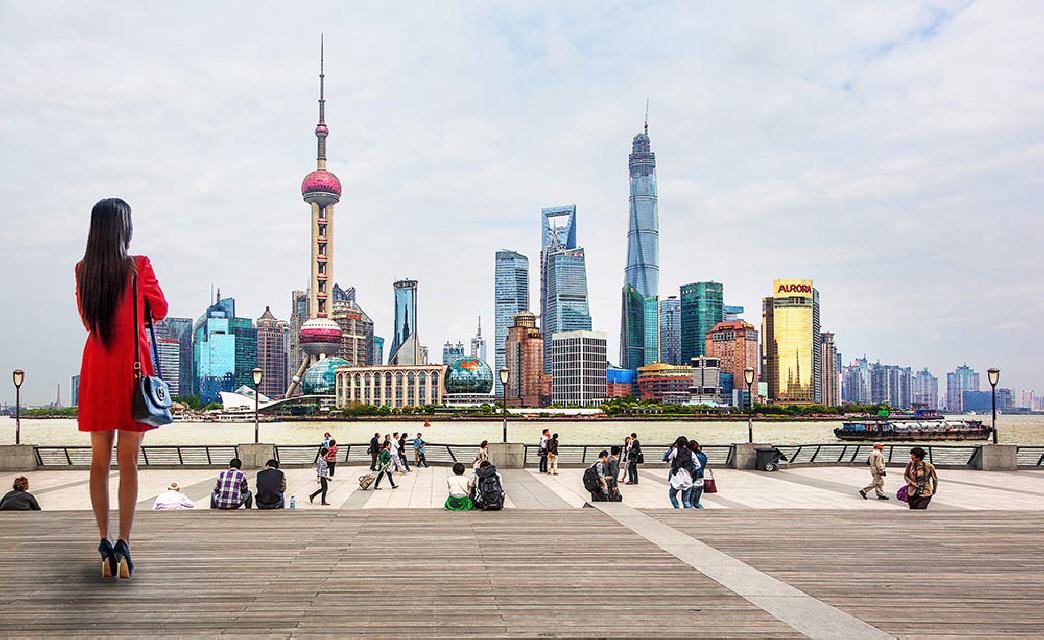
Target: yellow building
x,y
790,342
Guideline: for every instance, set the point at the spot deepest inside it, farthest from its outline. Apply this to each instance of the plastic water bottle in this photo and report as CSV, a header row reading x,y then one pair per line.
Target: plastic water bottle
x,y
293,504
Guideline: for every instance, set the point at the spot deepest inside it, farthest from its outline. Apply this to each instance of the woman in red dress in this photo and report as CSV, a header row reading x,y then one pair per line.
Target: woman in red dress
x,y
104,296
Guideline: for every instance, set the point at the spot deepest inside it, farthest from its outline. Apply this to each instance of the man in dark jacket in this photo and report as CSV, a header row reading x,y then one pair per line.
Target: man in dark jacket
x,y
375,450
634,457
271,485
612,474
19,498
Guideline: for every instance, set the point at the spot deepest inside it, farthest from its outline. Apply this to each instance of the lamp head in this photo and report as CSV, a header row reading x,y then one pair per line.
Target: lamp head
x,y
994,375
258,374
748,376
18,376
504,375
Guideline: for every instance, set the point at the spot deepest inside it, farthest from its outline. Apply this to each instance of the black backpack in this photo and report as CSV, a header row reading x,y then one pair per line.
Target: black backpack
x,y
591,481
682,460
490,494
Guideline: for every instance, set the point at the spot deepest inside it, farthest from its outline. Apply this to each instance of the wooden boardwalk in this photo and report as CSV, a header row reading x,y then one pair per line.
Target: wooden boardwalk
x,y
519,572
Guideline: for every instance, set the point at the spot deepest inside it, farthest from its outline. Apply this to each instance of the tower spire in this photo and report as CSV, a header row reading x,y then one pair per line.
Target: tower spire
x,y
646,116
321,131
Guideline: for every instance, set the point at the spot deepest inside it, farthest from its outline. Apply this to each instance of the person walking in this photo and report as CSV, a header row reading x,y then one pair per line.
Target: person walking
x,y
322,473
396,459
418,450
877,473
699,467
110,286
374,450
482,455
384,467
552,455
680,474
634,459
922,481
545,435
402,452
331,456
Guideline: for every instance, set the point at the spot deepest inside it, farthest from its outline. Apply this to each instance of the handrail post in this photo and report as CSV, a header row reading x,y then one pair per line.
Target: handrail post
x,y
181,460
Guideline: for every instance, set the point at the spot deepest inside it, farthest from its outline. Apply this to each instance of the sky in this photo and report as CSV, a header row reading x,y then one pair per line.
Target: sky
x,y
891,151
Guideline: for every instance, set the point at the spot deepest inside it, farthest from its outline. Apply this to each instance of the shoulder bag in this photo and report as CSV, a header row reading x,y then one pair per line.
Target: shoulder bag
x,y
152,401
710,485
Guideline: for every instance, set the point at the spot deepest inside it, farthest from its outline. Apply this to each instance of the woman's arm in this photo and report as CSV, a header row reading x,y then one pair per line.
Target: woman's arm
x,y
150,289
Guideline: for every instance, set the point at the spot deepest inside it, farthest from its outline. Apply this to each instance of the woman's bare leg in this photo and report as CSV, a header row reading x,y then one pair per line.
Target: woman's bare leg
x,y
127,458
101,458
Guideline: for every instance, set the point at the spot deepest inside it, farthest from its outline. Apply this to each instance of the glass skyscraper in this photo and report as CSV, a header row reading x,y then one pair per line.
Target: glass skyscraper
x,y
566,305
670,331
510,296
701,309
405,350
790,347
639,332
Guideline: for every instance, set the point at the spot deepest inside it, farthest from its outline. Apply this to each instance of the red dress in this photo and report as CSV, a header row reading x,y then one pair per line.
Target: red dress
x,y
107,374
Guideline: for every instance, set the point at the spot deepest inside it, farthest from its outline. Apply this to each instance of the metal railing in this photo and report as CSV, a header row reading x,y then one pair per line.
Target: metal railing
x,y
1030,456
434,453
148,456
587,454
943,455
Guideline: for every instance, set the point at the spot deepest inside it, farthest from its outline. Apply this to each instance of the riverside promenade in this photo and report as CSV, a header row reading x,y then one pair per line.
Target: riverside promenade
x,y
795,553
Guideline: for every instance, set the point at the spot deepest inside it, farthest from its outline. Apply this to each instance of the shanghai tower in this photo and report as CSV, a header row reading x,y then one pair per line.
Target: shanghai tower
x,y
639,324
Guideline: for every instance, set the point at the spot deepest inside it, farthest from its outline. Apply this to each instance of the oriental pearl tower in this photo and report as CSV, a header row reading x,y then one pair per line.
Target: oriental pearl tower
x,y
320,336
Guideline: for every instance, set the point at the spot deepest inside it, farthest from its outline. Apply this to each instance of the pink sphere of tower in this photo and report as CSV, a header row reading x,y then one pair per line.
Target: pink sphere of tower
x,y
321,187
320,335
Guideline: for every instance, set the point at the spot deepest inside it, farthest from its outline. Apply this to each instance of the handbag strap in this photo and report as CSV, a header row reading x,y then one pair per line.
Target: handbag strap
x,y
152,331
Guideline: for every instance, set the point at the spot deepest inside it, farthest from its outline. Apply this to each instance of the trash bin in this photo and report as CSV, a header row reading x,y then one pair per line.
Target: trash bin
x,y
768,458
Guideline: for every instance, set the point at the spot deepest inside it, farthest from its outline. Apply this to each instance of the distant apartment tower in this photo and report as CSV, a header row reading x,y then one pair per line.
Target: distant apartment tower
x,y
670,330
356,328
961,379
452,352
578,368
510,297
299,314
855,382
74,388
377,354
524,359
790,347
478,346
924,393
180,330
735,345
701,309
892,385
830,389
272,353
405,349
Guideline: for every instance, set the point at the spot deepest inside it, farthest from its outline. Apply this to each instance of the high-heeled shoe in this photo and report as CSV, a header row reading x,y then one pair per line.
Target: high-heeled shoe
x,y
108,558
123,559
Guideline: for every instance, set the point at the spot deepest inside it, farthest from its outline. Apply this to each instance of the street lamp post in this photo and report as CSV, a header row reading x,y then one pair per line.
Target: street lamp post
x,y
259,375
748,377
504,375
994,375
18,376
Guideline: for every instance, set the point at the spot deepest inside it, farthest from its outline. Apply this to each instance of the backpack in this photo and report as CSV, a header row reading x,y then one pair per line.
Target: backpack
x,y
682,460
489,492
591,482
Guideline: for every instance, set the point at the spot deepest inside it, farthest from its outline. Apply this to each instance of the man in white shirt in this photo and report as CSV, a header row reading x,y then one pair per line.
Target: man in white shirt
x,y
173,499
396,460
542,449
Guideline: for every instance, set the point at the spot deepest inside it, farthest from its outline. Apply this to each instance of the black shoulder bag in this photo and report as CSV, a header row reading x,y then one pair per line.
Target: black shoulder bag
x,y
152,399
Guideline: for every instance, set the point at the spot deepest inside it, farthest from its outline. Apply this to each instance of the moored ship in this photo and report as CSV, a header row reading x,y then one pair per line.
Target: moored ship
x,y
910,430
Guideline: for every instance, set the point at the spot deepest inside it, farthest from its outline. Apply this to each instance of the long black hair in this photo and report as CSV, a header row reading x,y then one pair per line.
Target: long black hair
x,y
101,276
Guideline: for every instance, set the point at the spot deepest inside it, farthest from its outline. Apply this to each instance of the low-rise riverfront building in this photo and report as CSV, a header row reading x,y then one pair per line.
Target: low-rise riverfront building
x,y
621,383
665,383
391,386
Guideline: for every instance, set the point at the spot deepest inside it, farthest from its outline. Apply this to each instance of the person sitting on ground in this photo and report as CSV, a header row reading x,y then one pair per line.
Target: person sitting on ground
x,y
19,498
271,487
173,500
459,490
680,475
231,491
594,478
487,490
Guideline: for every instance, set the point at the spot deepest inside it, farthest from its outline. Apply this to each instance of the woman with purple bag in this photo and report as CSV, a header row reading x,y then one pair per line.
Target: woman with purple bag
x,y
922,482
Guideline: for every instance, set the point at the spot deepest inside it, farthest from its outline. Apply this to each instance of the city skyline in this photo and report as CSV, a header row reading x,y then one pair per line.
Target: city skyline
x,y
850,177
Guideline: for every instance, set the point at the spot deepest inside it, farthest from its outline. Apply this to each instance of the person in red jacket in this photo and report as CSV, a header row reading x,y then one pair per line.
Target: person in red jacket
x,y
105,289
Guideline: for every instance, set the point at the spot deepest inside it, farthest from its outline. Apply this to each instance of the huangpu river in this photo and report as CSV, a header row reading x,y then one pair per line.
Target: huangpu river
x,y
1021,429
